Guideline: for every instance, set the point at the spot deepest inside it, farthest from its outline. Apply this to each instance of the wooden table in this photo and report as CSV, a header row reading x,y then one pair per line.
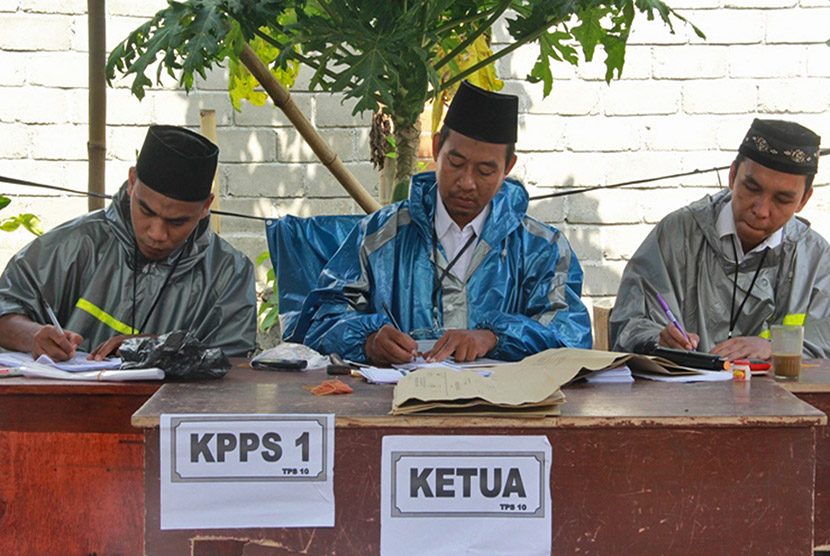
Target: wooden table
x,y
72,467
814,388
646,468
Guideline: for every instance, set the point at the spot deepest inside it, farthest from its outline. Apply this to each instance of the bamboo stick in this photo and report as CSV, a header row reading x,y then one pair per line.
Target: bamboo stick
x,y
282,99
97,144
207,125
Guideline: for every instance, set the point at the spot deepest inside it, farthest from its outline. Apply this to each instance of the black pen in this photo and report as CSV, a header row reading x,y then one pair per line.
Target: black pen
x,y
391,316
48,310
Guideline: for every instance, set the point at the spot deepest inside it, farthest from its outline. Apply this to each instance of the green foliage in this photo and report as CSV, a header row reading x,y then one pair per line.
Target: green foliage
x,y
28,221
270,303
381,53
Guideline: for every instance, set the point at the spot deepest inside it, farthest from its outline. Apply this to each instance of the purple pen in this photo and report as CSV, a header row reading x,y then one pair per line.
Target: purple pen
x,y
671,317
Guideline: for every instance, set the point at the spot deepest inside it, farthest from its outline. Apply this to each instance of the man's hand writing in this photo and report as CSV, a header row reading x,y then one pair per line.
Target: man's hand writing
x,y
389,345
463,345
671,337
59,347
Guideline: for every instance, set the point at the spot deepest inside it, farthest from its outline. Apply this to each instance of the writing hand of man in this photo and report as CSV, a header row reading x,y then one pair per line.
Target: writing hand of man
x,y
390,345
59,347
464,345
671,337
744,347
111,346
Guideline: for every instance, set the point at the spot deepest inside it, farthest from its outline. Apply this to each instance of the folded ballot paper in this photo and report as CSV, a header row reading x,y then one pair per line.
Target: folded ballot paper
x,y
527,388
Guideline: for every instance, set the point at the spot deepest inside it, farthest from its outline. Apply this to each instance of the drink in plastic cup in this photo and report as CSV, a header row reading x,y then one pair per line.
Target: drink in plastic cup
x,y
787,346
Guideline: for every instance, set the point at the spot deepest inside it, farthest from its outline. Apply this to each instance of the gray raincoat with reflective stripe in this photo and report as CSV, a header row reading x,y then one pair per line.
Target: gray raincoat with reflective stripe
x,y
524,281
84,269
683,259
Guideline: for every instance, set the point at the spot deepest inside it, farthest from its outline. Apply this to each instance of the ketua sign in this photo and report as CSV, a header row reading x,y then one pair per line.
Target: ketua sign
x,y
492,483
465,494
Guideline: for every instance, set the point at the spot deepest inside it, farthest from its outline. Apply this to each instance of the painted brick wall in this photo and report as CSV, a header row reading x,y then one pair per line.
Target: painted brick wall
x,y
682,104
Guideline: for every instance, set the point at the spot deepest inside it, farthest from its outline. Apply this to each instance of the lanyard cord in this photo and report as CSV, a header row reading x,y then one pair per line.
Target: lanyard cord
x,y
187,244
439,280
733,316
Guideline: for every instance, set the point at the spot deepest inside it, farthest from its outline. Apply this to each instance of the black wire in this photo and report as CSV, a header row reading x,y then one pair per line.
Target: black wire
x,y
15,181
632,182
822,152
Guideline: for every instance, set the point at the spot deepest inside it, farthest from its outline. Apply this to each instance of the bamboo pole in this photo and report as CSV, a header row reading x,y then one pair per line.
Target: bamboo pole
x,y
97,144
207,125
282,99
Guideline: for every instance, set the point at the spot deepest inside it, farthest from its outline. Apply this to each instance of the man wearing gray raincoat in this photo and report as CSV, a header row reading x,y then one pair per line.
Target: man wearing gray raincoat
x,y
147,264
731,265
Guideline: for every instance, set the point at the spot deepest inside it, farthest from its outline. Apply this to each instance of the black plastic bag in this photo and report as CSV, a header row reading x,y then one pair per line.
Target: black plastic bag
x,y
179,354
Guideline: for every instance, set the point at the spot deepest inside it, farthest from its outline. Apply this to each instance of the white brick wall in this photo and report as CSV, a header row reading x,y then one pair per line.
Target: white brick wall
x,y
683,103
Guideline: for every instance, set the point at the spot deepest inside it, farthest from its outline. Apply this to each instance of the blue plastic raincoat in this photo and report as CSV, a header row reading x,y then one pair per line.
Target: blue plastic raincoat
x,y
523,283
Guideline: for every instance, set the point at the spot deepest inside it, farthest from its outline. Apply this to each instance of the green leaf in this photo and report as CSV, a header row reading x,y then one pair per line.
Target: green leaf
x,y
31,223
589,32
10,224
270,319
270,275
262,257
4,202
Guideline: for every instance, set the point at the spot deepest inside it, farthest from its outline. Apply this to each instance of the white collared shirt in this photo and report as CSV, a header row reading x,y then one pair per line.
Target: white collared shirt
x,y
453,238
728,233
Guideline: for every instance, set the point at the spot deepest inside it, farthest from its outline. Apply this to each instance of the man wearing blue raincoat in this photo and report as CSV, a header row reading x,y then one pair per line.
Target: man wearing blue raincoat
x,y
460,259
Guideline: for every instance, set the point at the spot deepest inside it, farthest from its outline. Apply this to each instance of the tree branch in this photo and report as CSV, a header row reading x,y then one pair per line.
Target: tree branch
x,y
472,37
497,55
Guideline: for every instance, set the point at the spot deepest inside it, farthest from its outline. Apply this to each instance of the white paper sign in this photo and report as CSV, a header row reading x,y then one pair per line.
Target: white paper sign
x,y
465,495
233,471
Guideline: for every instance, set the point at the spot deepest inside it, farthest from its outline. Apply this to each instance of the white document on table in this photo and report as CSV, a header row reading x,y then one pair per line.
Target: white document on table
x,y
76,364
391,375
610,376
465,495
699,376
246,470
36,370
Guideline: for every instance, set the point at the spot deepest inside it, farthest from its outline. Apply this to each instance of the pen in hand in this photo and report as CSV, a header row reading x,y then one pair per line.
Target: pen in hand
x,y
48,310
51,315
672,319
391,316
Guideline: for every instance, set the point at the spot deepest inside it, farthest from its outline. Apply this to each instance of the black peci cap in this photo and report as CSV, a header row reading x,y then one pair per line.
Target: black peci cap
x,y
483,115
177,163
783,146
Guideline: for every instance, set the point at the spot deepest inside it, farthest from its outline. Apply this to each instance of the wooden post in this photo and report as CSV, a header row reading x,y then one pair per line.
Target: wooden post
x,y
97,144
282,99
207,126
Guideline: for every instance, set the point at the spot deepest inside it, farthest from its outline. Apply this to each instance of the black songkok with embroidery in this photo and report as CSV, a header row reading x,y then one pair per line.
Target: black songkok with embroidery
x,y
783,146
177,163
483,115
